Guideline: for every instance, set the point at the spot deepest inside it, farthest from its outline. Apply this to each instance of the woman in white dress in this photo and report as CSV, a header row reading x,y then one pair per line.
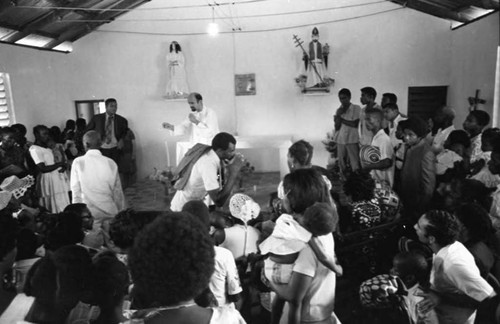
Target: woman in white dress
x,y
177,86
52,181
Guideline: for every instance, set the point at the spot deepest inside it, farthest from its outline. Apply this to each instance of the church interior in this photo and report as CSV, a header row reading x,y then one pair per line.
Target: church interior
x,y
61,59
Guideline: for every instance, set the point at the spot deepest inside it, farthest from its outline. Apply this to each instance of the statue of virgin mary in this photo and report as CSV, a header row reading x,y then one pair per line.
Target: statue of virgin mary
x,y
177,86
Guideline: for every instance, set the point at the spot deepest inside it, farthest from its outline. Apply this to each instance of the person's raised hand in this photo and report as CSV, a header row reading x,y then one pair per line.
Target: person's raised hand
x,y
168,126
431,300
193,119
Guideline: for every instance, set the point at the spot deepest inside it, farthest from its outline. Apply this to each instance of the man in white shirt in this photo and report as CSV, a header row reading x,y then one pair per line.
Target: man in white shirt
x,y
382,170
457,287
201,124
368,95
346,135
205,177
444,120
95,181
393,117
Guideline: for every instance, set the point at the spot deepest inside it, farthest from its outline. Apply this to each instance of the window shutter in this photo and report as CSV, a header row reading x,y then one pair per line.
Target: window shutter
x,y
6,104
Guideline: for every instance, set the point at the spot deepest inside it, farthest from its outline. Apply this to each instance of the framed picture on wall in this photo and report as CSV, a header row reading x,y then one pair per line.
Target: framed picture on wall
x,y
244,84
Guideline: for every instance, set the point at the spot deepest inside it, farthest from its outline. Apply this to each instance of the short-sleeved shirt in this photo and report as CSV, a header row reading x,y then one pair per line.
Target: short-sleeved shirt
x,y
454,271
225,280
317,304
440,138
446,160
495,209
365,136
347,134
382,141
476,152
203,178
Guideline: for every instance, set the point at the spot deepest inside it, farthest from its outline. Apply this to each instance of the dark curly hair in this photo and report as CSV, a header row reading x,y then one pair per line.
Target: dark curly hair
x,y
111,280
459,136
303,188
126,225
443,226
320,219
171,261
58,281
198,209
8,232
482,117
302,152
360,186
491,136
476,220
67,231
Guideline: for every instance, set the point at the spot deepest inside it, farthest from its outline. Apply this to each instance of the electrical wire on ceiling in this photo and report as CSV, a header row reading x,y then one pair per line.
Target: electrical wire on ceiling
x,y
256,30
238,17
138,9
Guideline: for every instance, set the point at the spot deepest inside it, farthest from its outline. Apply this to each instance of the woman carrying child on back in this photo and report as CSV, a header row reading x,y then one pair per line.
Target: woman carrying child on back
x,y
307,285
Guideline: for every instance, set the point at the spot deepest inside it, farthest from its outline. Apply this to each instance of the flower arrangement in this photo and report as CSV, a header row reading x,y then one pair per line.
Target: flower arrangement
x,y
330,145
245,172
164,177
301,81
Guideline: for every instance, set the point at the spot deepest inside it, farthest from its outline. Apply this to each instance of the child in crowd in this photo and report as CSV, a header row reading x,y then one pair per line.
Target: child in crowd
x,y
418,176
494,167
109,286
241,239
92,239
489,137
474,124
225,286
124,228
81,125
57,282
291,235
451,161
366,211
413,269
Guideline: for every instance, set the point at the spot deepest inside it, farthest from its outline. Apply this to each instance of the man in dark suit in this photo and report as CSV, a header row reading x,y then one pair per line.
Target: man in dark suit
x,y
112,128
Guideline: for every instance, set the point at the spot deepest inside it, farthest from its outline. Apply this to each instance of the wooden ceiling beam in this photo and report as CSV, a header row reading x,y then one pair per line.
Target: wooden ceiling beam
x,y
89,27
485,4
6,4
436,11
41,21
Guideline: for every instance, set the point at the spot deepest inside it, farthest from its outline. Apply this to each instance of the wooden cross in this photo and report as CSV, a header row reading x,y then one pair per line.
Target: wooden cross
x,y
474,101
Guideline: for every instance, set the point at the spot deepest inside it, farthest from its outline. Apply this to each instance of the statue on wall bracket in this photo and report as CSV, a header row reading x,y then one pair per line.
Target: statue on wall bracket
x,y
315,77
177,87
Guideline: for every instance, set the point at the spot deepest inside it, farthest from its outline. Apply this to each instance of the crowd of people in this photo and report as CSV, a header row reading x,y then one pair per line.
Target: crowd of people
x,y
71,251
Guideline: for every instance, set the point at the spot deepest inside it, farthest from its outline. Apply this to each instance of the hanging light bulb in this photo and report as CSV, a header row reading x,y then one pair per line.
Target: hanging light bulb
x,y
213,28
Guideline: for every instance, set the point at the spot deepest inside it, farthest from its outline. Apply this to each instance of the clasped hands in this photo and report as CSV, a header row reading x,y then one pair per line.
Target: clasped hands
x,y
236,163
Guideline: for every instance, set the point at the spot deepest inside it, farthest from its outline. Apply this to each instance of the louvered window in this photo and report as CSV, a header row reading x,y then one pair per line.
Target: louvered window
x,y
6,103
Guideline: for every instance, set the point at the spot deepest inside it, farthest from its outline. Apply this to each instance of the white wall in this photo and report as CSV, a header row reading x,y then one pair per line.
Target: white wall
x,y
473,64
389,52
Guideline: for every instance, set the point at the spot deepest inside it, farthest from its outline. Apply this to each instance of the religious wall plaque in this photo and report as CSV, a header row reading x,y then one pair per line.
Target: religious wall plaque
x,y
244,84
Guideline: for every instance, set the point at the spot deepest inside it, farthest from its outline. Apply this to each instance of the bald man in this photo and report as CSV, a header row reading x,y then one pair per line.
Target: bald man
x,y
95,181
444,121
201,124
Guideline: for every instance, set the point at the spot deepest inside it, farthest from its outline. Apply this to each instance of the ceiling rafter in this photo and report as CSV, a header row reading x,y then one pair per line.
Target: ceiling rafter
x,y
88,27
44,20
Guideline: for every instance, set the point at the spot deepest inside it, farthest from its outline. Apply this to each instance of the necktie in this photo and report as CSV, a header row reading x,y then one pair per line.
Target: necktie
x,y
109,129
